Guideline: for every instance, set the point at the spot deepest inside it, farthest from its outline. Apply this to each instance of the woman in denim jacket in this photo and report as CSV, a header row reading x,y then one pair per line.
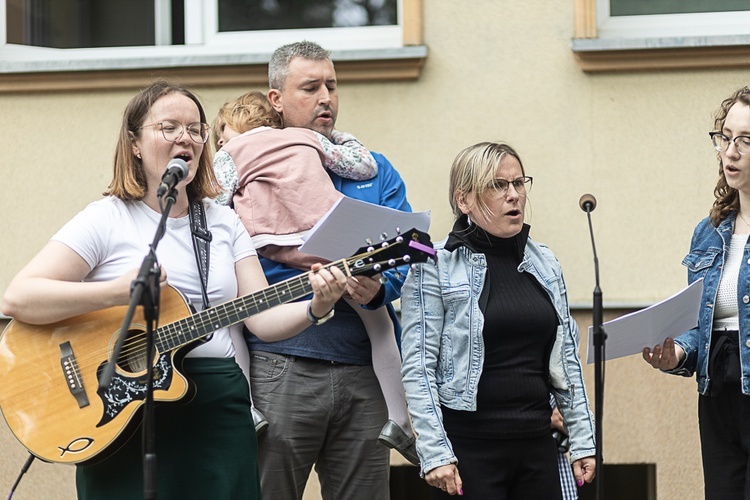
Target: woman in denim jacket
x,y
719,253
487,336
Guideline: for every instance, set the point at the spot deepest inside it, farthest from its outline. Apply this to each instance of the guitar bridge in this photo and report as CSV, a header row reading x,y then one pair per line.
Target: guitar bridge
x,y
72,374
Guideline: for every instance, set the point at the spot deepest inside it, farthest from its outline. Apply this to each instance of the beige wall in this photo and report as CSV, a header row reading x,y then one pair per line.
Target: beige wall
x,y
495,70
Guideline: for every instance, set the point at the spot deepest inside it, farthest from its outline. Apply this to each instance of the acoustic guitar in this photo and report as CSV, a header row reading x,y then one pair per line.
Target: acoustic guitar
x,y
49,374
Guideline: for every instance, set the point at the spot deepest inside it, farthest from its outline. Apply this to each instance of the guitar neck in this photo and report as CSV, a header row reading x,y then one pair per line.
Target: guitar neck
x,y
182,332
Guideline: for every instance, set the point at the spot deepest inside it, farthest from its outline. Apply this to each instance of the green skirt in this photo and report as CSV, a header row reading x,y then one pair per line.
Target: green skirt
x,y
206,448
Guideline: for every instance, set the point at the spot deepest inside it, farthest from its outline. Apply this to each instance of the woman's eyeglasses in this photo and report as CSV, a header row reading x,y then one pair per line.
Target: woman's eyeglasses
x,y
173,130
522,185
721,142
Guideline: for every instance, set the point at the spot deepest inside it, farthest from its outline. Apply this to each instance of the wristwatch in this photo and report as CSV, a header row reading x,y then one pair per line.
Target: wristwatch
x,y
318,321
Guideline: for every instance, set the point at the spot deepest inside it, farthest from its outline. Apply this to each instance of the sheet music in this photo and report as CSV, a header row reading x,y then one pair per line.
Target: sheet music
x,y
648,327
349,223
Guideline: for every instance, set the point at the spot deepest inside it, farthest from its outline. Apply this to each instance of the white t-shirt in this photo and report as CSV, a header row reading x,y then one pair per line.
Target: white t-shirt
x,y
113,237
726,312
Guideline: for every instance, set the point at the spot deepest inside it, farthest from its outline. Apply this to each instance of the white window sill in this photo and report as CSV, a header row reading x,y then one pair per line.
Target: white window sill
x,y
131,69
633,54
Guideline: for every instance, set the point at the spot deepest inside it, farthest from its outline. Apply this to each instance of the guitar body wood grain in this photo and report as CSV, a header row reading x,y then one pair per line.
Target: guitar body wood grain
x,y
36,397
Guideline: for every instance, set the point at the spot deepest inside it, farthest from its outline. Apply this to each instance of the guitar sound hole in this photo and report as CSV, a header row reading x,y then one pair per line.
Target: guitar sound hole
x,y
133,354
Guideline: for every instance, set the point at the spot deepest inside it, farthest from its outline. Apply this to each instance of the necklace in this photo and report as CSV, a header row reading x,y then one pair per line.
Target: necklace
x,y
183,213
743,219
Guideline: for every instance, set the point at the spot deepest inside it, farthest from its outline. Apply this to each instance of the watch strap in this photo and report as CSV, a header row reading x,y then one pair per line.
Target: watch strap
x,y
315,320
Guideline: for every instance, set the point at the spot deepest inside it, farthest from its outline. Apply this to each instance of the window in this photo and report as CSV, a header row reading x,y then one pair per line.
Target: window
x,y
85,35
266,24
661,34
239,15
211,25
68,24
672,18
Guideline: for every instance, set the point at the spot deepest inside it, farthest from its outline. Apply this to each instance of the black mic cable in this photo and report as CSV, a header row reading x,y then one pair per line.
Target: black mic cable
x,y
24,469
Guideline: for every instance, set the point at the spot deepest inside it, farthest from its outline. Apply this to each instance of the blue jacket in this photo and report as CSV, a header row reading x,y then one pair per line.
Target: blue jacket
x,y
443,347
706,260
386,189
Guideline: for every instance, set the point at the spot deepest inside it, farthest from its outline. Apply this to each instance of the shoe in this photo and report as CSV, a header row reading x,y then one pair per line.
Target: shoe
x,y
261,424
394,437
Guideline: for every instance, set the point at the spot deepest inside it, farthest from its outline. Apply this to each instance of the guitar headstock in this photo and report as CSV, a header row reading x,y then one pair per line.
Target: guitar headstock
x,y
410,247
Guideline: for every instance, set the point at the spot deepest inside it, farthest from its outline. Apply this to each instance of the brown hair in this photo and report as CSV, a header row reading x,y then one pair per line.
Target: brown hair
x,y
248,111
128,180
727,198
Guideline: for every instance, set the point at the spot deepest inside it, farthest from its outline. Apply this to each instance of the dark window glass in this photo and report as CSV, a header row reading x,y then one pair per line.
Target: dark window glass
x,y
178,22
649,7
68,24
257,15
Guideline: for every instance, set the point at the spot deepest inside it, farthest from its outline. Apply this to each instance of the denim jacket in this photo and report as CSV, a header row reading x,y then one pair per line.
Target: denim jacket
x,y
706,260
443,348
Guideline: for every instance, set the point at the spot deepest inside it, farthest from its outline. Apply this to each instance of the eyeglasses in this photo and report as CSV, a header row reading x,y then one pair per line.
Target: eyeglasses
x,y
522,185
173,130
721,142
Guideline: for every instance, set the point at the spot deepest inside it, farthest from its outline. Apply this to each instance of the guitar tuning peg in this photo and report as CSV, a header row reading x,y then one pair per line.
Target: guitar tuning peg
x,y
398,275
383,236
368,241
398,231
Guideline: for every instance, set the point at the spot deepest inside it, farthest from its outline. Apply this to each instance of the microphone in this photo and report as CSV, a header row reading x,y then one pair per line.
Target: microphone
x,y
176,171
587,202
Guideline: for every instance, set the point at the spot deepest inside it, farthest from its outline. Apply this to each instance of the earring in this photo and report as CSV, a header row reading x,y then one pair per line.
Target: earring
x,y
138,155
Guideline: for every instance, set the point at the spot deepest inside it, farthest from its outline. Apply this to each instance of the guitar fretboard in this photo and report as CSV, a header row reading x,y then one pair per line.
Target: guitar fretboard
x,y
182,332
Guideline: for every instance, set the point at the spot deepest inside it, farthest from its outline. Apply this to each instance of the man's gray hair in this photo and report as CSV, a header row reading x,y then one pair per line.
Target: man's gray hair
x,y
278,66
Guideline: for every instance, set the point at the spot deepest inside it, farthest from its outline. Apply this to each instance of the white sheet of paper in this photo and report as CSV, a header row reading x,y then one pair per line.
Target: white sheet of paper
x,y
648,327
349,223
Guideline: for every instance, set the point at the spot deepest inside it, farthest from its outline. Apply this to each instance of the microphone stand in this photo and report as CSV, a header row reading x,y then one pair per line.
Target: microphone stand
x,y
144,291
599,348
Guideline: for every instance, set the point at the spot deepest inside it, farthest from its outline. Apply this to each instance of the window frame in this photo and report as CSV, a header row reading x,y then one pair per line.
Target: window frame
x,y
603,43
212,58
670,25
202,28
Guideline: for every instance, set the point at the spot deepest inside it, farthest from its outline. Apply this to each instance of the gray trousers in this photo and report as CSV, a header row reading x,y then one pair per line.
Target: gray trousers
x,y
320,413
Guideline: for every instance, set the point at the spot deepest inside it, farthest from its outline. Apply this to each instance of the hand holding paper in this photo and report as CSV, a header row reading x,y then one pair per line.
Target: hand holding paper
x,y
649,327
664,357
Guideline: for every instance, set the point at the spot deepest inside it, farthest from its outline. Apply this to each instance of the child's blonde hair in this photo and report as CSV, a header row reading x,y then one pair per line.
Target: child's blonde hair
x,y
248,111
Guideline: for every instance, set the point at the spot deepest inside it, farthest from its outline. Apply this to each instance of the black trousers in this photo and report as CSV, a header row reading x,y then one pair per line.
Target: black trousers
x,y
506,469
724,419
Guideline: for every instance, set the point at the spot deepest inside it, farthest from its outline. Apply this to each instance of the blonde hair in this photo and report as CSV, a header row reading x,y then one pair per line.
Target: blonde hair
x,y
248,111
473,172
129,180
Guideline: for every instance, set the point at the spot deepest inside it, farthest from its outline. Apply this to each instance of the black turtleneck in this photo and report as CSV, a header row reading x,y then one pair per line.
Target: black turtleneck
x,y
519,330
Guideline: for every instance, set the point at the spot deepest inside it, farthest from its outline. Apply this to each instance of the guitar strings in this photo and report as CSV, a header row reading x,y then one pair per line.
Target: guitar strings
x,y
183,331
